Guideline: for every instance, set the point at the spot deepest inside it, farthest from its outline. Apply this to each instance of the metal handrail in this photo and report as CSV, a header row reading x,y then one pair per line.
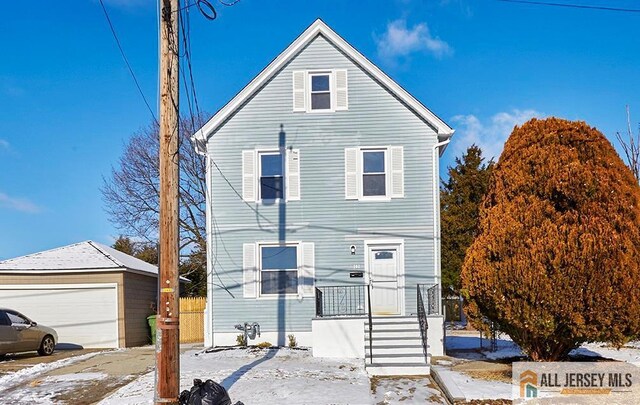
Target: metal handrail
x,y
433,300
370,324
422,320
319,311
340,300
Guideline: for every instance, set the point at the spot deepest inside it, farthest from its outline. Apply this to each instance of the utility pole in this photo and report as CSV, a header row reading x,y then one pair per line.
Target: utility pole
x,y
168,319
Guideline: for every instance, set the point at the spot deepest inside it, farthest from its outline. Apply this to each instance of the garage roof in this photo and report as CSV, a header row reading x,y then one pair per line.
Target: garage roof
x,y
80,257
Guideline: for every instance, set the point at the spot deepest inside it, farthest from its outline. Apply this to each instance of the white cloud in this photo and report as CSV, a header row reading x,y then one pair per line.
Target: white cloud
x,y
399,41
18,204
4,144
489,136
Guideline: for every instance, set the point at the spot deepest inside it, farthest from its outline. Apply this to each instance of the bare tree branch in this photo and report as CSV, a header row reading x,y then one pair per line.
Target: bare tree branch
x,y
131,192
631,146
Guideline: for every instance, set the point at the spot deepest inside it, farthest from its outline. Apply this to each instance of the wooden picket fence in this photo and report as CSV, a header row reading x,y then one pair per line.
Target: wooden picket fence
x,y
192,319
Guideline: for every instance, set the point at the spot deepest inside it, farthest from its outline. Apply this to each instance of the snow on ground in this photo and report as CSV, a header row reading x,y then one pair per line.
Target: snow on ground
x,y
508,350
267,376
397,391
471,341
462,385
629,353
464,346
50,389
9,380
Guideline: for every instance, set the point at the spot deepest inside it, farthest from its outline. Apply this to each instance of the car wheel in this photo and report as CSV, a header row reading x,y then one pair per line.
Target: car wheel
x,y
47,346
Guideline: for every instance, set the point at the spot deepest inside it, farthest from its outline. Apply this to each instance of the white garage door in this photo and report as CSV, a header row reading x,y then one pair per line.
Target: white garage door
x,y
82,314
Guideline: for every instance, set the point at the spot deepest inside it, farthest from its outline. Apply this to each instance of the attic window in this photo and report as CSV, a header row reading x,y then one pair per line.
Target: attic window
x,y
320,91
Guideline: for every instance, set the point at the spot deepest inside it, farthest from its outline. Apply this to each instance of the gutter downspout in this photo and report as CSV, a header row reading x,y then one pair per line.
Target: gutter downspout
x,y
436,215
208,310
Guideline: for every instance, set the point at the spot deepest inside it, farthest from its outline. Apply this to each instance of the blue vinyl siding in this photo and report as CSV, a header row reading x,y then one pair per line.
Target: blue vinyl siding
x,y
375,118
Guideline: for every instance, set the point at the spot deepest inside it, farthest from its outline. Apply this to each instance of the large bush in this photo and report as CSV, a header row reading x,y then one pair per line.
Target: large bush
x,y
557,259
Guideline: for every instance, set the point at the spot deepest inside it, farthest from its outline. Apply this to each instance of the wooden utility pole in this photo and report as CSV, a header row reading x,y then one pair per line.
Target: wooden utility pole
x,y
167,333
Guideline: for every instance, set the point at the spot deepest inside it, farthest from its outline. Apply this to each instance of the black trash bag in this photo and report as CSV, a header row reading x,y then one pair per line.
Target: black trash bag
x,y
206,393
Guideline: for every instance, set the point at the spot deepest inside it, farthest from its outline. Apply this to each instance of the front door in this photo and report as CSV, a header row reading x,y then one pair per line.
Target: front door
x,y
383,275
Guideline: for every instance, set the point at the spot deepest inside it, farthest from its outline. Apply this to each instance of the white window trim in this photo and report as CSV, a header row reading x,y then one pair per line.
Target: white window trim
x,y
387,173
332,91
298,293
270,151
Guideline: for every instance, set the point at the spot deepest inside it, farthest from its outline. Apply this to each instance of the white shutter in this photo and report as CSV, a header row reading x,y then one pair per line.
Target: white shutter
x,y
293,174
249,175
299,85
307,269
249,270
341,94
351,173
397,172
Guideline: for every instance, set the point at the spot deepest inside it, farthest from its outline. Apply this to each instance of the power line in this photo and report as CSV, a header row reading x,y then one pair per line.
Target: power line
x,y
190,88
133,75
569,5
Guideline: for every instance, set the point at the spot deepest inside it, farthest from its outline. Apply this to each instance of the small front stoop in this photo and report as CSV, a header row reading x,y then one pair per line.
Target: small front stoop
x,y
396,345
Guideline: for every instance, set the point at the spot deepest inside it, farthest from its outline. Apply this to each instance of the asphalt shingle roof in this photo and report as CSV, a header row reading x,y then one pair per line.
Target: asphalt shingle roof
x,y
88,255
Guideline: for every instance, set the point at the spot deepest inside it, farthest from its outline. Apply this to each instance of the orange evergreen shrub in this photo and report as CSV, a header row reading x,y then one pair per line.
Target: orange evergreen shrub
x,y
557,259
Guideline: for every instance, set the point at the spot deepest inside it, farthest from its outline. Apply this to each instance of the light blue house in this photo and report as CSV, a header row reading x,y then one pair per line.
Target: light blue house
x,y
323,211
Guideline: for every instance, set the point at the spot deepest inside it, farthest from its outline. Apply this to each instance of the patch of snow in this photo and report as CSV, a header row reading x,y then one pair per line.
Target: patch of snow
x,y
472,388
506,351
408,390
48,389
12,379
76,377
467,341
626,354
263,377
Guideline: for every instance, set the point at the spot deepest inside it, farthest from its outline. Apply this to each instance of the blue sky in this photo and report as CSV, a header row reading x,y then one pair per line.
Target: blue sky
x,y
69,104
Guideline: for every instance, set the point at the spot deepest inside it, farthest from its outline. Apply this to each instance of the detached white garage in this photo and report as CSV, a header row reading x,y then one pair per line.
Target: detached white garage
x,y
94,296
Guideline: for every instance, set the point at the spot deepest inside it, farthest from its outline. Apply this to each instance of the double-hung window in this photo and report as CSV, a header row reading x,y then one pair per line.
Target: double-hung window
x,y
278,270
317,91
320,91
374,175
271,175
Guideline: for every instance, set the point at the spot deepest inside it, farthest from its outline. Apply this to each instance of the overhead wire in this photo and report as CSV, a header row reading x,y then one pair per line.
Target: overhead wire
x,y
126,61
193,103
573,5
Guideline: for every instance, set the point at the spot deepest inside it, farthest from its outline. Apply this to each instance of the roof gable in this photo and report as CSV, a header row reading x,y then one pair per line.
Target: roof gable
x,y
312,32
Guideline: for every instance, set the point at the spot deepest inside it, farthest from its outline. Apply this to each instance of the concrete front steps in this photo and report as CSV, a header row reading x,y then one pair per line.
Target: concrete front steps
x,y
396,346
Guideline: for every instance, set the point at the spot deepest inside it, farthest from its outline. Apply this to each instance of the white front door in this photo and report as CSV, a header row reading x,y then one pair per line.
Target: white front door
x,y
383,275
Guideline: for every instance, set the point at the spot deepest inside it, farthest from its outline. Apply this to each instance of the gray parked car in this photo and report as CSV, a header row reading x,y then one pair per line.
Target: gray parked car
x,y
20,334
